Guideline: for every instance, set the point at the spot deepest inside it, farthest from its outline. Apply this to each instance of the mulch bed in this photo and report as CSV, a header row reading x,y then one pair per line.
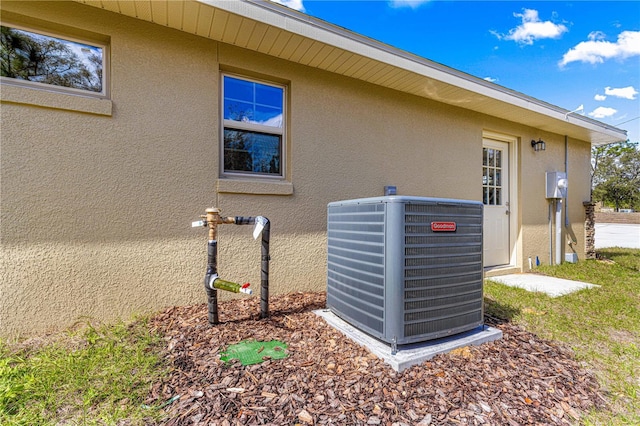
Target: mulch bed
x,y
327,379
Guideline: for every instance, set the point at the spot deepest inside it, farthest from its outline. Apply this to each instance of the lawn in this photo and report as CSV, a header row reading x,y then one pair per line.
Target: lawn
x,y
103,374
601,325
91,376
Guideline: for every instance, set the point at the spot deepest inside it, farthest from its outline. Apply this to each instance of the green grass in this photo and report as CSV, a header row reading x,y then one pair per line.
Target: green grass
x,y
601,325
95,376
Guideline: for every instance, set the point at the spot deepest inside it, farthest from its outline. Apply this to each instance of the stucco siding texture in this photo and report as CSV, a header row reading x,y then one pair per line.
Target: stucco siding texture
x,y
96,209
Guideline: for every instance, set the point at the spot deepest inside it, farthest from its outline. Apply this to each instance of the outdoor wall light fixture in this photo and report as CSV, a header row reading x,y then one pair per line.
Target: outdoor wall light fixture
x,y
539,145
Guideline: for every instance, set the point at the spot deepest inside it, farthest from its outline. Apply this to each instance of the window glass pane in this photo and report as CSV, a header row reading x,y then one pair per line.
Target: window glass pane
x,y
485,198
268,116
498,158
251,152
491,161
268,95
485,176
237,111
252,102
44,59
498,200
498,178
491,177
492,198
485,161
236,89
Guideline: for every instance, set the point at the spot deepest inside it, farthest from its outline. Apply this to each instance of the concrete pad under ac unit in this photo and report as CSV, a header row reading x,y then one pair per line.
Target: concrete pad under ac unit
x,y
412,354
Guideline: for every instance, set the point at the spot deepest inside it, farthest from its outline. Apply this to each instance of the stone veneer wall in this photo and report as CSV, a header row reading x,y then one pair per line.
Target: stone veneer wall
x,y
589,230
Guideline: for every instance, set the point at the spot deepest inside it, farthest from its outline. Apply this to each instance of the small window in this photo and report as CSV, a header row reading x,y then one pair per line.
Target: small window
x,y
253,122
492,177
35,59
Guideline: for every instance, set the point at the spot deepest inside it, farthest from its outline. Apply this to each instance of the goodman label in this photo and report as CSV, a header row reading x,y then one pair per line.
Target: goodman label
x,y
443,226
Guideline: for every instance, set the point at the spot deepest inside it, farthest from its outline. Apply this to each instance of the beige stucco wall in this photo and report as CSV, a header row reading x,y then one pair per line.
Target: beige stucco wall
x,y
96,207
536,233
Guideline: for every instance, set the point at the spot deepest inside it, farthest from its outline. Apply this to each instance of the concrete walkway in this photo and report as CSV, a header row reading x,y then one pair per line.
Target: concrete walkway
x,y
551,286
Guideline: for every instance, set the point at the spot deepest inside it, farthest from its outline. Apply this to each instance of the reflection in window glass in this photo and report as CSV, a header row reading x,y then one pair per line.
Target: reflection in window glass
x,y
252,102
40,58
251,152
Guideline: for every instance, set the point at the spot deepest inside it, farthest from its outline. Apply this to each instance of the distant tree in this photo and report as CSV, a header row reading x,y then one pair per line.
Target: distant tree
x,y
237,151
32,57
615,177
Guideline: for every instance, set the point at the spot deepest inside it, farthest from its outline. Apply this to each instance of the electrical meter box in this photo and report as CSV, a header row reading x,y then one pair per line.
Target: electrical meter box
x,y
556,185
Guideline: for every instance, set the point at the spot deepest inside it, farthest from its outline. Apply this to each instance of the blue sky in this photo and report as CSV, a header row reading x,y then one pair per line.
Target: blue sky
x,y
567,53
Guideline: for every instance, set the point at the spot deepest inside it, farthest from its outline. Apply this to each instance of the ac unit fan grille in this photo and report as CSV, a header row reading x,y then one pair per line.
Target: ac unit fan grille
x,y
442,257
443,327
355,263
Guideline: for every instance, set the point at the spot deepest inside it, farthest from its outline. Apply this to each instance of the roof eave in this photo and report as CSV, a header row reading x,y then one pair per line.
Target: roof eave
x,y
428,79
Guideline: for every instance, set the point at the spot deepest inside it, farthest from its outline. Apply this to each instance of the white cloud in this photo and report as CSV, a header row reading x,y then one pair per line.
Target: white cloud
x,y
271,122
490,79
623,92
597,50
599,97
413,4
292,4
532,28
602,112
596,35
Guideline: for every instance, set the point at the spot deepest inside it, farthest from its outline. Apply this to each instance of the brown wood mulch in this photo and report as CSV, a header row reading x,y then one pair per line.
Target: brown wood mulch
x,y
327,379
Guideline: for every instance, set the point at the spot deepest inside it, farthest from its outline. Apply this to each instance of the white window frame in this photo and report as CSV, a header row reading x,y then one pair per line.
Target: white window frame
x,y
104,94
254,127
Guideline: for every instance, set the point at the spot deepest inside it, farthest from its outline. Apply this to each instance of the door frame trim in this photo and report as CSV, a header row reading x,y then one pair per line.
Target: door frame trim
x,y
514,200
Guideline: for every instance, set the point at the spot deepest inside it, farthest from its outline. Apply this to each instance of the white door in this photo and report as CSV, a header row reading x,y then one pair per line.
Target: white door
x,y
495,196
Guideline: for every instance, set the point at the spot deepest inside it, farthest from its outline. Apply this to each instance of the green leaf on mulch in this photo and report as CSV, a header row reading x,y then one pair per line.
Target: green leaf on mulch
x,y
253,352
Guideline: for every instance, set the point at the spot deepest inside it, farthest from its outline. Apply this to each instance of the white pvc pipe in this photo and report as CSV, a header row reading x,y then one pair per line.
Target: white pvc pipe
x,y
551,232
558,231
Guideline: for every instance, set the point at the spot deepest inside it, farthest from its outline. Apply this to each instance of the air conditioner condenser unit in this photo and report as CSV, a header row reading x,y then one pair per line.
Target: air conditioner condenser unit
x,y
406,269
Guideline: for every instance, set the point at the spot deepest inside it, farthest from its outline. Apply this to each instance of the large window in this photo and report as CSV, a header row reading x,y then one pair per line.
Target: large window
x,y
253,122
36,59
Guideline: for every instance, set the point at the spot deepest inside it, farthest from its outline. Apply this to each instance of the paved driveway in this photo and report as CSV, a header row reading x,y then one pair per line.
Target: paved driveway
x,y
617,235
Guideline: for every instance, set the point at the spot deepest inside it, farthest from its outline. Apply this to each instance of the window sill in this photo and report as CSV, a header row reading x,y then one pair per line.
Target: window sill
x,y
49,99
253,186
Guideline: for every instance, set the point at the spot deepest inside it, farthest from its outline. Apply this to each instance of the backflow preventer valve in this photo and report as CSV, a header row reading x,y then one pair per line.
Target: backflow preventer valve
x,y
212,282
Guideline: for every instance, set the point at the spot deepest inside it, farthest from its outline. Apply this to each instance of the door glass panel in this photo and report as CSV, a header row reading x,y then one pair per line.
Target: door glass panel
x,y
492,176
